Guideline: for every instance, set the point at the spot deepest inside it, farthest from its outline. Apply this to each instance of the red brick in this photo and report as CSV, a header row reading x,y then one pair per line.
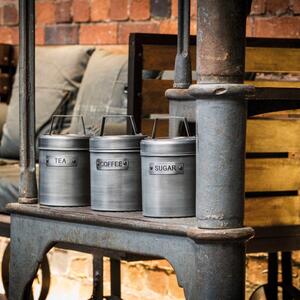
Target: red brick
x,y
174,8
295,6
277,7
39,35
140,9
258,7
66,34
118,10
170,27
81,11
126,28
194,8
63,11
45,12
10,14
283,27
98,34
100,10
9,35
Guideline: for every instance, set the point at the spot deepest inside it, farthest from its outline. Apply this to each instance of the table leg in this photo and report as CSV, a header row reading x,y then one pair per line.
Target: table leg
x,y
27,255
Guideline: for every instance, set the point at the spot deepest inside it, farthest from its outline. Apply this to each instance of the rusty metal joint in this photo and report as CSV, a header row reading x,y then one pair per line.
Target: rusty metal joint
x,y
228,235
179,95
221,91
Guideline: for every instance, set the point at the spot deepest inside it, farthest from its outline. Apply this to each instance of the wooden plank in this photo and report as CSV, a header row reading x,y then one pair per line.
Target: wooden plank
x,y
5,54
154,101
272,211
162,128
272,59
153,94
5,84
275,174
258,59
273,135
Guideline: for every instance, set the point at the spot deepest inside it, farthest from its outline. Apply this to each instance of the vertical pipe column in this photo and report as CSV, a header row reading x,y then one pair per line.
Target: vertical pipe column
x,y
183,72
178,96
221,113
221,129
28,185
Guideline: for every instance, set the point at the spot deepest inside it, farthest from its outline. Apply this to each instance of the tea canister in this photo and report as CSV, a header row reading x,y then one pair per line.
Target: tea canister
x,y
64,175
168,176
115,166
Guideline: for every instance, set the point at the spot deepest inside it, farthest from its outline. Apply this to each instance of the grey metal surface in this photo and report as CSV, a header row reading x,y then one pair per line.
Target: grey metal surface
x,y
221,129
116,142
177,146
169,191
194,253
168,177
183,66
64,177
63,142
27,185
116,180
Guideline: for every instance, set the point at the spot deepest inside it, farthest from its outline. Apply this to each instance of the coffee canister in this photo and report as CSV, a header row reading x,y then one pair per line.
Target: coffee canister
x,y
168,175
116,170
64,175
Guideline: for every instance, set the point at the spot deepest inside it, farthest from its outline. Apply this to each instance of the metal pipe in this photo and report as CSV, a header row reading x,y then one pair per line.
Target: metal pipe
x,y
221,113
28,185
221,41
183,73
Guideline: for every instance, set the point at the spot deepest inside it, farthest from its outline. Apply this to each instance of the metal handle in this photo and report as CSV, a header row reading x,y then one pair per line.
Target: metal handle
x,y
132,122
67,116
171,117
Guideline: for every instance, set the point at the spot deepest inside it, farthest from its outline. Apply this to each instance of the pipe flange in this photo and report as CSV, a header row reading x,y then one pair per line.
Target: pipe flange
x,y
221,91
179,95
227,235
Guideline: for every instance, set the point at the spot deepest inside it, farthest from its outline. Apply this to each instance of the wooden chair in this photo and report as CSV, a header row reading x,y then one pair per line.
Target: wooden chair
x,y
273,141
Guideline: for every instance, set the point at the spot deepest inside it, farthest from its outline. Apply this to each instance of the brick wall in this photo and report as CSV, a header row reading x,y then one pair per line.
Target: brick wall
x,y
110,21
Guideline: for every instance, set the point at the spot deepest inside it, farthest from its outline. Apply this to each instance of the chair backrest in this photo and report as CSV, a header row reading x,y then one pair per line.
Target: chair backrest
x,y
7,70
273,143
157,52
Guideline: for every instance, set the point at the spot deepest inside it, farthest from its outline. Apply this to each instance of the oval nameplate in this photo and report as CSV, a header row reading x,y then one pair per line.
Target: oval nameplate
x,y
61,161
112,164
166,168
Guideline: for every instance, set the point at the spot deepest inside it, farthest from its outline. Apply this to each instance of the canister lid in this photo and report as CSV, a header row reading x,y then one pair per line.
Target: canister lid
x,y
178,146
64,142
116,142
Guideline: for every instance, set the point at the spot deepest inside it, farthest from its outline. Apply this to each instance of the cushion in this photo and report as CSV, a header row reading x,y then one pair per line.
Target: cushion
x,y
103,91
59,71
9,182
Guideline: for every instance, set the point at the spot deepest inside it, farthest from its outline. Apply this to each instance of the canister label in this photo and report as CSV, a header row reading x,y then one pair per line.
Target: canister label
x,y
112,164
166,168
61,161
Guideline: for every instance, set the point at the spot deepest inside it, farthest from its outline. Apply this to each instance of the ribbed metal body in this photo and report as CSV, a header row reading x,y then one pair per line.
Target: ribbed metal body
x,y
64,170
168,177
115,167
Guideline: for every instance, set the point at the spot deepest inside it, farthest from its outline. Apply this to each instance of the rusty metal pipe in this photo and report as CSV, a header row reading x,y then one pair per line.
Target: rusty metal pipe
x,y
221,41
28,185
221,129
183,73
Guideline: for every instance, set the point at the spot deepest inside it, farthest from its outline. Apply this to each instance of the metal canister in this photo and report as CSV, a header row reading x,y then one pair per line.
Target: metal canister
x,y
64,171
168,175
116,170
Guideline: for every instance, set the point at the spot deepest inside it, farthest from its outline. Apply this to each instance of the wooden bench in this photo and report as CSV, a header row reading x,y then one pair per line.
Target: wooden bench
x,y
272,203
